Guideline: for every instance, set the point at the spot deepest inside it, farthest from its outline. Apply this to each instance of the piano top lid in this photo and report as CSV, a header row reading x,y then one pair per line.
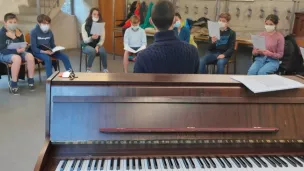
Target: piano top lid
x,y
150,79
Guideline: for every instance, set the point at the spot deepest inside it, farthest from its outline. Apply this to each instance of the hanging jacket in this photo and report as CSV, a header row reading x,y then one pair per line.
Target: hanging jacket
x,y
143,12
292,60
137,13
147,23
130,14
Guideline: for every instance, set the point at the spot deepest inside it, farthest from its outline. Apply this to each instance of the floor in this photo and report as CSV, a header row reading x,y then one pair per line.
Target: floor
x,y
22,119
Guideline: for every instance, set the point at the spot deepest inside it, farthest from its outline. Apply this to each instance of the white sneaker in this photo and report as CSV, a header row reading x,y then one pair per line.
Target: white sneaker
x,y
89,71
106,71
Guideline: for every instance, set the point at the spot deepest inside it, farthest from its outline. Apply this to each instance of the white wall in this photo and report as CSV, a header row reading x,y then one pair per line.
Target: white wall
x,y
7,6
82,9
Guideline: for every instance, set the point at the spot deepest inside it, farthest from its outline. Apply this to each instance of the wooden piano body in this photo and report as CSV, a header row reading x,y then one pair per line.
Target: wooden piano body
x,y
138,115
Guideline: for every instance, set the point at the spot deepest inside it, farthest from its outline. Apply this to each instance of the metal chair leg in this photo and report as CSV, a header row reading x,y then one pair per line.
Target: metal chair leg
x,y
86,62
8,73
80,60
58,66
100,62
39,72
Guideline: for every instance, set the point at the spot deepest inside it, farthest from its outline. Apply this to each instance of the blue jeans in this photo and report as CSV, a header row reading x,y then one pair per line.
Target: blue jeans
x,y
211,58
264,65
8,58
48,62
91,52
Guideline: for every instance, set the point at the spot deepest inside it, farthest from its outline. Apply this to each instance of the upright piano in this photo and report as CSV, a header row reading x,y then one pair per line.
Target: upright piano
x,y
143,122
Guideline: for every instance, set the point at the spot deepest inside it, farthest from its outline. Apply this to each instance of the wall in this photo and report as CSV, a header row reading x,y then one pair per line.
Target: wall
x,y
10,6
82,9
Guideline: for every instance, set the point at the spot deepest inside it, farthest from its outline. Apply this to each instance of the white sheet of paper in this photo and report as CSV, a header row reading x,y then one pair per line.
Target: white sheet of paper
x,y
129,49
214,29
66,74
58,48
258,42
97,28
267,83
17,45
302,52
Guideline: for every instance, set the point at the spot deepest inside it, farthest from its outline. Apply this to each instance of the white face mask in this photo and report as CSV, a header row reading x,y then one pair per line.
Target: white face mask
x,y
222,24
95,19
12,27
269,28
45,27
135,28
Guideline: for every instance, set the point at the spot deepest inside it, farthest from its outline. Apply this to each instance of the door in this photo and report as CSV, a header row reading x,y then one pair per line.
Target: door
x,y
106,7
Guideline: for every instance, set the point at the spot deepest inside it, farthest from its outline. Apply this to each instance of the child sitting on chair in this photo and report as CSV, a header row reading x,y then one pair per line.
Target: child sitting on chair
x,y
134,39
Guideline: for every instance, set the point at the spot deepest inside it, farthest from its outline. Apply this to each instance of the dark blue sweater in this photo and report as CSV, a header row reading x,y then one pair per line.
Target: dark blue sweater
x,y
38,37
168,55
5,41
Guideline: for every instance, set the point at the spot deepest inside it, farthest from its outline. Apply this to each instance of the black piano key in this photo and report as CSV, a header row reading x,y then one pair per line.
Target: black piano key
x,y
112,164
155,163
95,164
200,162
80,165
191,162
247,162
176,163
281,161
102,164
73,165
256,162
275,161
164,163
128,164
206,162
133,164
185,163
241,162
149,163
296,161
139,164
261,161
270,162
227,162
118,164
236,162
211,162
221,162
63,165
290,161
90,164
170,163
301,158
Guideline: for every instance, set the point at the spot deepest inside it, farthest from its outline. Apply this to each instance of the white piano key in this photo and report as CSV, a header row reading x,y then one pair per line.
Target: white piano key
x,y
143,163
255,167
115,164
159,164
197,165
105,165
168,165
234,166
291,167
98,165
270,167
181,164
68,165
92,166
85,165
76,165
59,165
108,165
218,165
136,165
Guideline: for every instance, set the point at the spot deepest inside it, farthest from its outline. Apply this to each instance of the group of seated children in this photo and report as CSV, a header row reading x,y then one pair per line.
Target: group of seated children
x,y
170,52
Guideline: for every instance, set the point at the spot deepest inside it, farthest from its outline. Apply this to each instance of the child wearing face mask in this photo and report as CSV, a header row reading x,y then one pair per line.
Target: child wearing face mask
x,y
43,35
181,32
94,43
267,61
134,38
221,50
11,34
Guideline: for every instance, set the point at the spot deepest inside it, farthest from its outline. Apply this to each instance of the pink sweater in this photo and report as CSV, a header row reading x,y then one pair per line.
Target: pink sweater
x,y
275,43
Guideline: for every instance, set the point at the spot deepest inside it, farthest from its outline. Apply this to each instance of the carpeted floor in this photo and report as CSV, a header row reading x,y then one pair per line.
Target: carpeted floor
x,y
22,118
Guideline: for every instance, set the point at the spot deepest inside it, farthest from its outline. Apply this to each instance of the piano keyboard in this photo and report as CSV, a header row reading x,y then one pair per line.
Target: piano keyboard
x,y
254,163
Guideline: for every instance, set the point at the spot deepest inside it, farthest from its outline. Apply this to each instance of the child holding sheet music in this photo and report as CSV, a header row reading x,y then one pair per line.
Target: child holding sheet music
x,y
135,40
11,34
94,43
267,61
221,50
42,41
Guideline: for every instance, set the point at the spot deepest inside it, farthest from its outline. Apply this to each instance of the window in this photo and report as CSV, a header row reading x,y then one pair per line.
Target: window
x,y
67,7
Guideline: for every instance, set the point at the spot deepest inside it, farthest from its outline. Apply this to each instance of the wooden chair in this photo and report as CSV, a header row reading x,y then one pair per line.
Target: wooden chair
x,y
82,45
39,61
232,60
8,67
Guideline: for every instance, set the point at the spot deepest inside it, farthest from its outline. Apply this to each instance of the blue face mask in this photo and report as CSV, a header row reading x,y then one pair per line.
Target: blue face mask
x,y
177,24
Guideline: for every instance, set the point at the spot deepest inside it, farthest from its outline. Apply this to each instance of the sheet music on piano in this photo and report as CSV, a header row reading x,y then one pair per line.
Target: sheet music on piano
x,y
267,83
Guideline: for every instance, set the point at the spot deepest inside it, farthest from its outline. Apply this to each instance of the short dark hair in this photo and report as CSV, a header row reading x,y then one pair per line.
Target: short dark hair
x,y
163,14
225,15
9,16
42,18
178,15
274,18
